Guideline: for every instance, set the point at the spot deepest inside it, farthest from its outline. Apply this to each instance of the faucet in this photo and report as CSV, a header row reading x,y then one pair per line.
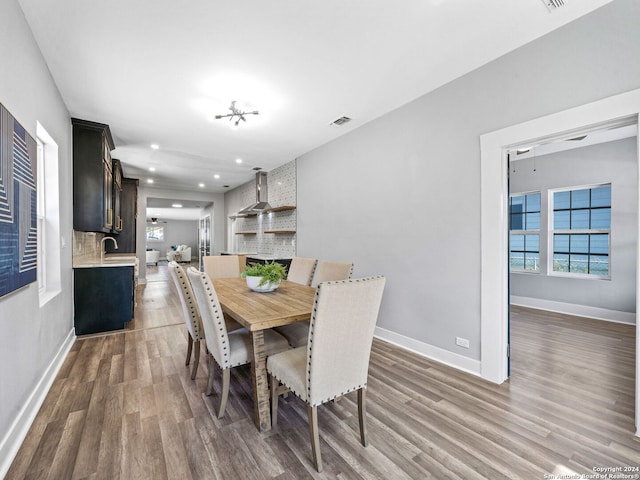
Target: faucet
x,y
102,249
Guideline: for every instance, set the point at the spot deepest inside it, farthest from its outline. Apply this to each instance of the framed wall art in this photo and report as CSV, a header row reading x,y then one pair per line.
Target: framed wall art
x,y
18,205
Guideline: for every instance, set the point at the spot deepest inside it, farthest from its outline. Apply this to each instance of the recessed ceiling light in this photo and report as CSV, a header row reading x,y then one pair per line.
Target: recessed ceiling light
x,y
149,180
216,176
176,205
155,146
238,160
152,169
201,185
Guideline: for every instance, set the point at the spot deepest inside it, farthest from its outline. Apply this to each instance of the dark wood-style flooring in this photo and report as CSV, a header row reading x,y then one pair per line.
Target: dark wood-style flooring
x,y
124,407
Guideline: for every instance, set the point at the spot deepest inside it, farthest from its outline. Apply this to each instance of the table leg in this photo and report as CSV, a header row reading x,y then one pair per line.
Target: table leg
x,y
262,414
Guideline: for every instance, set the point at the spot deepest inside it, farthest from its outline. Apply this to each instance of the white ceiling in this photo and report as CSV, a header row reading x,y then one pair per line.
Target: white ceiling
x,y
157,70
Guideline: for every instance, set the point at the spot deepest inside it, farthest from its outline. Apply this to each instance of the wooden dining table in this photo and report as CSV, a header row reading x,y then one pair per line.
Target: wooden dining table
x,y
255,311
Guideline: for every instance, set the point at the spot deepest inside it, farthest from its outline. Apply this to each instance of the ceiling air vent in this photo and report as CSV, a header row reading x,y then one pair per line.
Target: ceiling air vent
x,y
340,121
553,4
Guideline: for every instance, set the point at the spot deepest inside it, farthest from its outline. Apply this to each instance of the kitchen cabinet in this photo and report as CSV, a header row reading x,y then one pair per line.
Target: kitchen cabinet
x,y
285,262
126,238
92,177
116,188
103,298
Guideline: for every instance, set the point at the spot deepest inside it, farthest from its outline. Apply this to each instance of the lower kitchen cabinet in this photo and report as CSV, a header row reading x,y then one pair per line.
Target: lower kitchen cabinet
x,y
103,298
285,262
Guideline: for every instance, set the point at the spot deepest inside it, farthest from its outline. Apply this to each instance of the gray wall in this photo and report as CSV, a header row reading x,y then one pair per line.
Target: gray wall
x,y
615,163
32,335
400,196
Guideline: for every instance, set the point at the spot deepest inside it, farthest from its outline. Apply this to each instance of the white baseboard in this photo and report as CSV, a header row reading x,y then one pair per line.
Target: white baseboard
x,y
12,440
429,351
576,310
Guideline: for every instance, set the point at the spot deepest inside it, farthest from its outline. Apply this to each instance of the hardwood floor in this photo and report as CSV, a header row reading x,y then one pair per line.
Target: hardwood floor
x,y
124,407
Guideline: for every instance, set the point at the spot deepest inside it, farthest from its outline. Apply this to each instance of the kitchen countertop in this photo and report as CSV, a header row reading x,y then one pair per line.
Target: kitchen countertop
x,y
113,260
266,256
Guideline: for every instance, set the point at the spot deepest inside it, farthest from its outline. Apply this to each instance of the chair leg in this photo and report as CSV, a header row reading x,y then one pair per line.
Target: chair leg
x,y
315,437
196,359
212,370
226,381
189,347
274,400
362,416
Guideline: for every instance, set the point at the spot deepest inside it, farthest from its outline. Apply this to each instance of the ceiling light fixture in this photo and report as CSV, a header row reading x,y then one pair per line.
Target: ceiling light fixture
x,y
216,176
152,169
155,146
154,221
238,160
238,112
201,185
176,205
149,180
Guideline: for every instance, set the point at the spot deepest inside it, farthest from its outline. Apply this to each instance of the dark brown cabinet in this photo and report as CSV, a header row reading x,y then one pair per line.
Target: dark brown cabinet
x,y
92,177
103,298
128,205
117,193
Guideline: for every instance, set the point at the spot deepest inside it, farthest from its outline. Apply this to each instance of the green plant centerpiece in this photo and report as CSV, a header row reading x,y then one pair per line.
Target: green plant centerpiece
x,y
264,277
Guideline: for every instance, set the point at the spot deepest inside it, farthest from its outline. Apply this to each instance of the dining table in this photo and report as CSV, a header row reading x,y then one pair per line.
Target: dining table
x,y
258,311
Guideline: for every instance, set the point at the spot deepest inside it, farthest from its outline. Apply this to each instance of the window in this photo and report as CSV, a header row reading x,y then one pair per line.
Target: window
x,y
581,231
155,233
48,212
41,215
524,221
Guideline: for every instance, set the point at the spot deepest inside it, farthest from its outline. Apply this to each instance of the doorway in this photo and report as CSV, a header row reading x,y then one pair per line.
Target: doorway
x,y
573,226
613,111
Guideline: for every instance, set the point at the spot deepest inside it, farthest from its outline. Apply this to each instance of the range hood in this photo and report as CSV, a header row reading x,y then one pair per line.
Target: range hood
x,y
261,196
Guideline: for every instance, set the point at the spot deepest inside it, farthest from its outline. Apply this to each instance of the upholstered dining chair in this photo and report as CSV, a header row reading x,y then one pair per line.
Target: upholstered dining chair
x,y
336,359
190,313
227,349
328,270
297,333
221,266
301,270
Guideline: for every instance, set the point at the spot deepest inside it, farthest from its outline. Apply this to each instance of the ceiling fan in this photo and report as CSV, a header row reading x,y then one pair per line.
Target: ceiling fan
x,y
237,112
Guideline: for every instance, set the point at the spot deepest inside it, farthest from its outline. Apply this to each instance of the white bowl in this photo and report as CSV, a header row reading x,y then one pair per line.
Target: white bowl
x,y
252,283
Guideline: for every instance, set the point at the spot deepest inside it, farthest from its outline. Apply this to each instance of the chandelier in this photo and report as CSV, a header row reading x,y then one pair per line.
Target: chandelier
x,y
238,113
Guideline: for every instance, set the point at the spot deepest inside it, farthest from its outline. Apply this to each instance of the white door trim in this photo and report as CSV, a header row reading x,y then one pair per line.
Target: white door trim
x,y
493,216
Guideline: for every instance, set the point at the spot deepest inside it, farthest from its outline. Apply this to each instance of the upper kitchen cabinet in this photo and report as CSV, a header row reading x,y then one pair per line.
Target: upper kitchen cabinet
x,y
117,194
92,177
128,213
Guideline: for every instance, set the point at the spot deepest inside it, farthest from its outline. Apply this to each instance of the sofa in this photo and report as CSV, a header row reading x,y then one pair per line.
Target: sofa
x,y
179,253
153,256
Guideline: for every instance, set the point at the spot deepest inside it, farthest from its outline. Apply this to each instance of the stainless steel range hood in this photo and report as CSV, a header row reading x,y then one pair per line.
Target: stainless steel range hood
x,y
261,196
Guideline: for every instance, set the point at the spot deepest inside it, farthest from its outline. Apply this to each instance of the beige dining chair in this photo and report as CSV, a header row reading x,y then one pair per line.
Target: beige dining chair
x,y
191,314
222,266
328,270
301,270
297,334
336,359
227,349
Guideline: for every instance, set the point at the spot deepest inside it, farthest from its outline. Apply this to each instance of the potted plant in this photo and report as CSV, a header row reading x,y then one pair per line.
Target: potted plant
x,y
264,277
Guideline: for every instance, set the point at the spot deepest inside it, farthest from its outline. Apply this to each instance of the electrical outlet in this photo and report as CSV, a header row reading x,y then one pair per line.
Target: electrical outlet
x,y
462,342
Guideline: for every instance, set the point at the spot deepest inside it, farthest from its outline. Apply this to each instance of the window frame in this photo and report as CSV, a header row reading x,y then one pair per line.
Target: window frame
x,y
48,197
552,232
525,233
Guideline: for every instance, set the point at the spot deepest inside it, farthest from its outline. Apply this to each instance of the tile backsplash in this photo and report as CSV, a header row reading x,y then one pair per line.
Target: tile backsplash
x,y
86,245
281,192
